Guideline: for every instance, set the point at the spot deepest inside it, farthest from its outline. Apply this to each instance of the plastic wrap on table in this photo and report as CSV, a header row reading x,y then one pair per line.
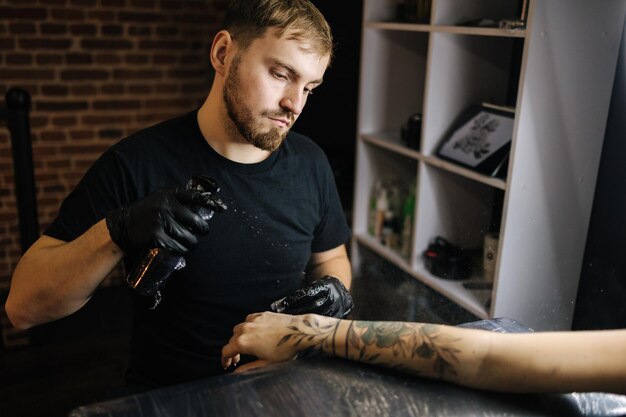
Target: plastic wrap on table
x,y
498,325
334,387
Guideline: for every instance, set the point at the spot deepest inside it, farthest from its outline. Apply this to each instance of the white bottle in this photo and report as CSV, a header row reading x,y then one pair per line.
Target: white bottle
x,y
382,205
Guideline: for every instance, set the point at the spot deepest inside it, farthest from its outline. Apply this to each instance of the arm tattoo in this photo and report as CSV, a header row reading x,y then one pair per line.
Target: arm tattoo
x,y
367,340
407,343
314,334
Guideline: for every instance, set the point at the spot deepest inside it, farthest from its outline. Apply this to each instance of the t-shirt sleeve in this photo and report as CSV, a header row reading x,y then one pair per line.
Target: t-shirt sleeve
x,y
104,187
333,229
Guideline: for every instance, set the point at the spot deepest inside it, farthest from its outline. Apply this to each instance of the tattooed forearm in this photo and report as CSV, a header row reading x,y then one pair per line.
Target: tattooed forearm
x,y
312,333
424,349
419,348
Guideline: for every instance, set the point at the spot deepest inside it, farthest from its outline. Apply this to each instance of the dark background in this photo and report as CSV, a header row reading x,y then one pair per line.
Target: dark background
x,y
601,302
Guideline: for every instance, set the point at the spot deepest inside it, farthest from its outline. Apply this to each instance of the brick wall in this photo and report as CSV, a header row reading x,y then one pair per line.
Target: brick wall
x,y
97,70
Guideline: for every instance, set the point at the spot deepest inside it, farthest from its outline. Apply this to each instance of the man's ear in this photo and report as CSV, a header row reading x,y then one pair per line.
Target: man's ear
x,y
220,49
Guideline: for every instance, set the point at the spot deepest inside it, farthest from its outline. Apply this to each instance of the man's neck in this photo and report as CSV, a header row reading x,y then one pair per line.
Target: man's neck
x,y
224,139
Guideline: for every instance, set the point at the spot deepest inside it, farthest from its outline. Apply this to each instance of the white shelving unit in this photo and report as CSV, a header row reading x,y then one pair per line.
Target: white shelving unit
x,y
562,85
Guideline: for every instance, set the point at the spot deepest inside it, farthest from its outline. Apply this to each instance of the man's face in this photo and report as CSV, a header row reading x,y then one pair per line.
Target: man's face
x,y
267,86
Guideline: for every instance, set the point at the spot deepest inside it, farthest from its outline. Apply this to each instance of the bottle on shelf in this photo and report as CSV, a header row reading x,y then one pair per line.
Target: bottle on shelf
x,y
372,214
408,211
382,205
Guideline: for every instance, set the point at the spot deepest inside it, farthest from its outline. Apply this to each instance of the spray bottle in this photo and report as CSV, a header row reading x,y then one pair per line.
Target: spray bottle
x,y
154,267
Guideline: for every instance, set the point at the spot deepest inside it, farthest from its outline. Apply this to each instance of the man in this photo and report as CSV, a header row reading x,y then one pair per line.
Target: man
x,y
508,362
283,216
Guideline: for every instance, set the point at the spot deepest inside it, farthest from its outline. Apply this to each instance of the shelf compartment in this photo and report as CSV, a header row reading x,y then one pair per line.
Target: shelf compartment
x,y
459,30
391,141
464,172
455,12
374,164
456,208
392,79
465,71
454,290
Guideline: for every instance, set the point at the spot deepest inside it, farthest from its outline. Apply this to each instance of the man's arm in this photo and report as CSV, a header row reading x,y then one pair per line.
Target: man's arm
x,y
531,362
332,262
55,278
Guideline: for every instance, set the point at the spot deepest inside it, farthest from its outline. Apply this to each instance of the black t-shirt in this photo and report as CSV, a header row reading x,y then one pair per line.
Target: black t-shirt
x,y
279,211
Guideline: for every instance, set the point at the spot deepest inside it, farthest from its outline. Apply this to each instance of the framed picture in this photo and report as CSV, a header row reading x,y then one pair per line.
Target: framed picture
x,y
480,139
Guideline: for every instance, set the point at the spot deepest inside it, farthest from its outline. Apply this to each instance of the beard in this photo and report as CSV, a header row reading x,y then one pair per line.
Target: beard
x,y
241,114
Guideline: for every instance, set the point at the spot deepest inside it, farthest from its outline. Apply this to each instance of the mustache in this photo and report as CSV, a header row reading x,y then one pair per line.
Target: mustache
x,y
280,114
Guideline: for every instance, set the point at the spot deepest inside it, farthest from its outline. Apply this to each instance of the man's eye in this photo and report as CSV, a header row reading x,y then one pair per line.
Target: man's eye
x,y
280,76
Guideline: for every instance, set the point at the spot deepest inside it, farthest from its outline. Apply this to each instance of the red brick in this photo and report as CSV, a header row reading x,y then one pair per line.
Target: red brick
x,y
67,14
64,121
74,75
129,74
45,59
7,43
112,89
24,13
167,30
83,90
111,30
167,88
105,119
141,17
54,90
139,31
99,43
53,2
163,44
45,43
26,74
164,59
108,59
83,29
45,105
22,28
56,164
52,136
113,3
53,28
137,59
19,59
95,148
110,133
102,15
83,2
116,104
82,134
143,3
78,58
140,89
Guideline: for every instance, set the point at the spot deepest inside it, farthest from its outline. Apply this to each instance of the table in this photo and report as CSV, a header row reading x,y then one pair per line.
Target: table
x,y
334,387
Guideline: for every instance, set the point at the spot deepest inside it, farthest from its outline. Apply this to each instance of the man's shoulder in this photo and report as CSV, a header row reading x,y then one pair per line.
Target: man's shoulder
x,y
157,136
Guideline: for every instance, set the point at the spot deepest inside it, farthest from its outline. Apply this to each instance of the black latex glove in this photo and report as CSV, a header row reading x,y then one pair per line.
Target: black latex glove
x,y
161,220
327,297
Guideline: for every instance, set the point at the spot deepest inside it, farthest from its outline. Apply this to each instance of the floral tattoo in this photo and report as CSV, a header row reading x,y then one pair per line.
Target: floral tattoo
x,y
367,340
410,341
313,334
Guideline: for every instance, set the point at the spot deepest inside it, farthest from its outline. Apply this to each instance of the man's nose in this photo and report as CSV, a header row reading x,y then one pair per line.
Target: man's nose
x,y
293,101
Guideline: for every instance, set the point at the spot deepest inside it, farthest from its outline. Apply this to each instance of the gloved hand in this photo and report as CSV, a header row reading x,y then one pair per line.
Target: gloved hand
x,y
162,220
327,297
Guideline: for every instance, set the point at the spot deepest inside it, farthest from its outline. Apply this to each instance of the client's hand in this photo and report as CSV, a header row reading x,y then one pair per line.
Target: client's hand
x,y
273,337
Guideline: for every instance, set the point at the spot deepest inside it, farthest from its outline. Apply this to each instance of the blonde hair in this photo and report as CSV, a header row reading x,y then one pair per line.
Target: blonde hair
x,y
248,20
